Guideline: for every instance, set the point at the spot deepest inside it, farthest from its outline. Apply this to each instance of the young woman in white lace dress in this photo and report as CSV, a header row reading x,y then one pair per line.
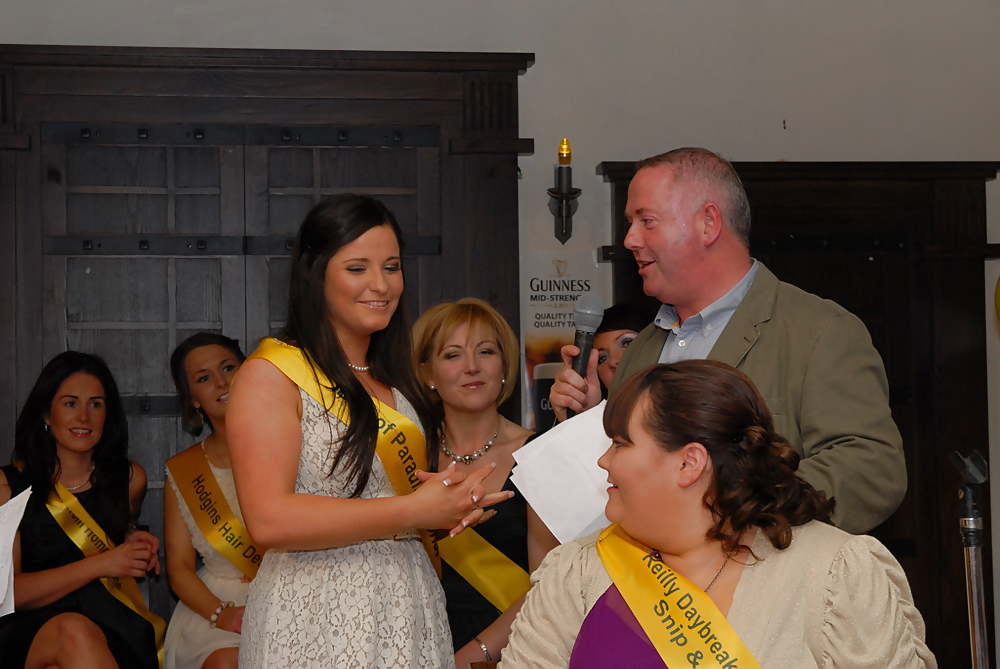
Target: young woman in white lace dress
x,y
347,582
202,367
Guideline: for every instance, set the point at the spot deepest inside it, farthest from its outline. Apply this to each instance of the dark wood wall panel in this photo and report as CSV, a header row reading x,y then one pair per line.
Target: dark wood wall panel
x,y
309,112
239,83
8,298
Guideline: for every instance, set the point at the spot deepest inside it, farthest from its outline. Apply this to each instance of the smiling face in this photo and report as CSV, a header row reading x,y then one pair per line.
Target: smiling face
x,y
664,234
364,280
611,347
76,418
468,370
209,371
640,476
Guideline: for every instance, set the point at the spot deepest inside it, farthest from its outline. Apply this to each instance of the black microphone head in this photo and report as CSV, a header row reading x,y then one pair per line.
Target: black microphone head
x,y
589,313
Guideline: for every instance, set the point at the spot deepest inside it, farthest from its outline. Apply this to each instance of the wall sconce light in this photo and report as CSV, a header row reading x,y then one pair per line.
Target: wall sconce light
x,y
562,198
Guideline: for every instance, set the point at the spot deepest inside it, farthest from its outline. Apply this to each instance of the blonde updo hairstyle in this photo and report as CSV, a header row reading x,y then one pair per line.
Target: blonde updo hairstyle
x,y
433,328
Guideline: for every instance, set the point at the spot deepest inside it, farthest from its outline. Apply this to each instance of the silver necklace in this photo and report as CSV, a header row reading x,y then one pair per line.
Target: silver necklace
x,y
656,554
467,459
358,368
75,488
718,573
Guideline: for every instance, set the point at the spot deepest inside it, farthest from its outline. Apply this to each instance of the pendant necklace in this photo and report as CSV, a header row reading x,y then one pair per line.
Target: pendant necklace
x,y
467,459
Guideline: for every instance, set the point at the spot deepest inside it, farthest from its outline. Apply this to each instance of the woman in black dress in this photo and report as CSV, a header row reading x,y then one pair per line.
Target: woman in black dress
x,y
71,444
467,356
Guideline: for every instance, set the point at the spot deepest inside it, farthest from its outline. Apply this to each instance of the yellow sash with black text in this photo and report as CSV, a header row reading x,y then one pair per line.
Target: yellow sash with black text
x,y
402,450
211,512
88,536
683,623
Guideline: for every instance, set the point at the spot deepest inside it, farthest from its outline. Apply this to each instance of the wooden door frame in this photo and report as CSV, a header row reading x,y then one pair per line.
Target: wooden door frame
x,y
471,96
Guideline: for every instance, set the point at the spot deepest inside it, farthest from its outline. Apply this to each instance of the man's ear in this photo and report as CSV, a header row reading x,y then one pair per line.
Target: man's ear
x,y
695,462
712,223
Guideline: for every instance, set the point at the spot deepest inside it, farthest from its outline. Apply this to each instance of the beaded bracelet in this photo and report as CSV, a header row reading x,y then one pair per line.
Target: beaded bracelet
x,y
213,622
486,651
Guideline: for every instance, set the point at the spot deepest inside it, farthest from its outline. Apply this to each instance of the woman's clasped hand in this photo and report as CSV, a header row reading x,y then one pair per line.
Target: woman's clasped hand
x,y
454,501
131,558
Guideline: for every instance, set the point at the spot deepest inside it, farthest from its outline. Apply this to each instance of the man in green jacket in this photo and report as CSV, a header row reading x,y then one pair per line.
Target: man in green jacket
x,y
813,361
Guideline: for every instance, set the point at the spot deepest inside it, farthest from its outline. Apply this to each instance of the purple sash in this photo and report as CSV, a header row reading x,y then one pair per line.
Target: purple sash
x,y
611,638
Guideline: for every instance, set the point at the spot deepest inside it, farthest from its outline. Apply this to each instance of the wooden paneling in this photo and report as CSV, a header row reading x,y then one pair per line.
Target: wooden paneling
x,y
902,246
8,302
157,190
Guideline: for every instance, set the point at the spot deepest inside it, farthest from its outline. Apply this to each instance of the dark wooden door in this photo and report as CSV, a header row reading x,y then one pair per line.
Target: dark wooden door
x,y
398,166
901,245
149,194
143,246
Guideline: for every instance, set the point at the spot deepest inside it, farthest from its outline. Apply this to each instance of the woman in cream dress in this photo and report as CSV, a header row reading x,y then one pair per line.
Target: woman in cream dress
x,y
347,581
203,367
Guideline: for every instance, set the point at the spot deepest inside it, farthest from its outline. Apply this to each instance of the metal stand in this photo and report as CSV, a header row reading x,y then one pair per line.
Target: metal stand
x,y
975,472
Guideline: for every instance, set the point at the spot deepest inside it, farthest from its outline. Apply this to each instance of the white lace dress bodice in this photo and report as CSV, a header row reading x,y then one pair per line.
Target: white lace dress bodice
x,y
372,604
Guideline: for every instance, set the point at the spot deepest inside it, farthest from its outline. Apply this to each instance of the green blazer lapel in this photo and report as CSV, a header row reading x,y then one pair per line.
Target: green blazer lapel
x,y
741,332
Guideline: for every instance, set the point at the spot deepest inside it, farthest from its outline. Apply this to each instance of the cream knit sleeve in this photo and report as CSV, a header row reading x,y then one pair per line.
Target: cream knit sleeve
x,y
564,588
869,618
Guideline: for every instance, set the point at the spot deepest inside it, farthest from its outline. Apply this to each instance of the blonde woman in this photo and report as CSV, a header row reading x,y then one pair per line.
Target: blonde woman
x,y
467,358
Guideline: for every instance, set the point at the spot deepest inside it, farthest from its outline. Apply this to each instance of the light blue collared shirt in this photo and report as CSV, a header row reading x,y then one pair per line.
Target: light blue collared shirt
x,y
694,338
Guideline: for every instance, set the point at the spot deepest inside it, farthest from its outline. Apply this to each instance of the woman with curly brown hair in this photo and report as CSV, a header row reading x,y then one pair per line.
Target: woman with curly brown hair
x,y
718,554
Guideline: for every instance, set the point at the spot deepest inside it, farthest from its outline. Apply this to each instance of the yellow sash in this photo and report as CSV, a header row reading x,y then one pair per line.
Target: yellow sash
x,y
211,512
494,575
402,450
88,536
683,623
400,445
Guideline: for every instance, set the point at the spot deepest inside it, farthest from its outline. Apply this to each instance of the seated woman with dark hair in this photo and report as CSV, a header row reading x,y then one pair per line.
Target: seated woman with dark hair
x,y
718,554
77,552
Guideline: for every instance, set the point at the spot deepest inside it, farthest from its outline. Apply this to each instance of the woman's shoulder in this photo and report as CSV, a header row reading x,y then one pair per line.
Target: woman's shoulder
x,y
820,553
579,556
12,481
190,449
820,538
4,488
136,473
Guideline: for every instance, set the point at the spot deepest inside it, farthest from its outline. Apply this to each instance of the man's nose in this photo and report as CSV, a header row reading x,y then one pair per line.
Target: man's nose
x,y
633,239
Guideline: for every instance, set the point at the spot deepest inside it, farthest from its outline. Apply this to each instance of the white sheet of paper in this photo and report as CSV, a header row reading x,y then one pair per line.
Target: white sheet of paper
x,y
558,474
10,518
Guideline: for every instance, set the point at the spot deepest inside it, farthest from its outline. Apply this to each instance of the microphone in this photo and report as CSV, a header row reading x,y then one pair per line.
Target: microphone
x,y
589,314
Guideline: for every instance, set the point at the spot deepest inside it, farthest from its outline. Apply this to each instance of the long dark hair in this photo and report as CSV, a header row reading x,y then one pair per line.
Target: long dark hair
x,y
754,481
194,419
328,227
35,447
